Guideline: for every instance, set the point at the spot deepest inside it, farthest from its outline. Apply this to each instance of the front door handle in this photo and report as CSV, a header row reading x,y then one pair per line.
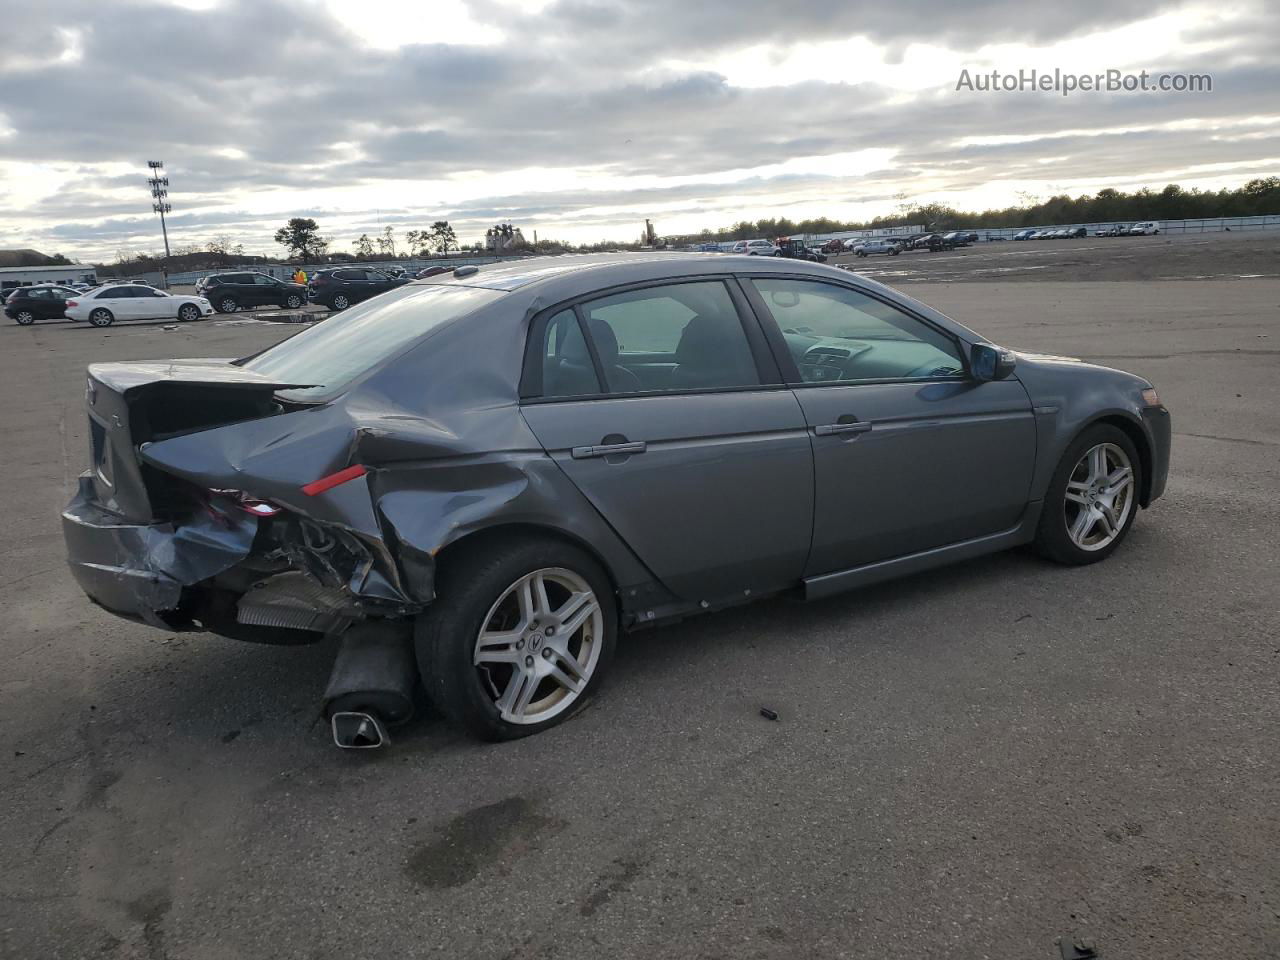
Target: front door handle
x,y
831,429
608,450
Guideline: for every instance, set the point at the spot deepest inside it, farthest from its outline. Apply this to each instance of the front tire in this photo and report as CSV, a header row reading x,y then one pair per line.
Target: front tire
x,y
519,637
101,317
293,302
188,313
1092,499
25,318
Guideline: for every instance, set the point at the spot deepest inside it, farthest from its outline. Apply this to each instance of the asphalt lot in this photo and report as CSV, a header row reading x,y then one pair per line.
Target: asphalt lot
x,y
969,763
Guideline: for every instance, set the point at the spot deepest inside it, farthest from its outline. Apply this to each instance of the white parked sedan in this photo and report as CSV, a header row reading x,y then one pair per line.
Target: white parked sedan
x,y
135,301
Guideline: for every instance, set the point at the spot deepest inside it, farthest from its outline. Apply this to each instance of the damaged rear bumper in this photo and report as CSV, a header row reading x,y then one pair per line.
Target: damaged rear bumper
x,y
285,579
138,570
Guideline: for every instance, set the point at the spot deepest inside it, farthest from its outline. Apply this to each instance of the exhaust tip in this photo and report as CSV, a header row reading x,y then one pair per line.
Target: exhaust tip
x,y
357,730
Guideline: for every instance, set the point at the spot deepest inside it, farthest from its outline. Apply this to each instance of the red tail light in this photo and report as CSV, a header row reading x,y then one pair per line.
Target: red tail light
x,y
333,480
73,303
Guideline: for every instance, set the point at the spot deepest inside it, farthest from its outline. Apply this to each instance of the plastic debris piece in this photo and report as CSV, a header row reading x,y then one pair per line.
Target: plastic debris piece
x,y
1075,949
768,714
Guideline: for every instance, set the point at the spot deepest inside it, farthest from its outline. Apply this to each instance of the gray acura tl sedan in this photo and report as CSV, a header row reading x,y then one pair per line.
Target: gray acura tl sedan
x,y
479,479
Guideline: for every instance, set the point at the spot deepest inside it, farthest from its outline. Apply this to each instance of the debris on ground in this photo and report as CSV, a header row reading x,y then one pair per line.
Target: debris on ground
x,y
1073,949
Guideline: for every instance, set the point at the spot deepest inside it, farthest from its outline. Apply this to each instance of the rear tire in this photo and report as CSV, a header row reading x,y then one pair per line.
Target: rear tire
x,y
339,302
101,317
1090,504
228,305
25,318
510,692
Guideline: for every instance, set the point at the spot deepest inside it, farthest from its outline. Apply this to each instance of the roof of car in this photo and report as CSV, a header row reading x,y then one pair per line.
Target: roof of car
x,y
606,269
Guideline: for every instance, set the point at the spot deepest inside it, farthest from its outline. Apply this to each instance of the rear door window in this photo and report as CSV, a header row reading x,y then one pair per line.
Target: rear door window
x,y
567,368
672,338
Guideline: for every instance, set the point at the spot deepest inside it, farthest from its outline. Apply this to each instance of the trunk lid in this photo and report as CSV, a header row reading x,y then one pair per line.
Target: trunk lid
x,y
130,404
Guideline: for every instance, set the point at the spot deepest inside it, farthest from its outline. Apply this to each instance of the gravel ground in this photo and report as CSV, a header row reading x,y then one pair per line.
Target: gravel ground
x,y
967,763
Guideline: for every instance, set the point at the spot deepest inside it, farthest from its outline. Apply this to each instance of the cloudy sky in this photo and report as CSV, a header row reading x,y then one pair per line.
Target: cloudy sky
x,y
579,118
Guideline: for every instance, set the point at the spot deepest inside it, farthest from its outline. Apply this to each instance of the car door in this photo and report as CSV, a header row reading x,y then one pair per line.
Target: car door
x,y
40,301
123,303
58,301
378,282
702,463
265,290
353,284
156,304
910,453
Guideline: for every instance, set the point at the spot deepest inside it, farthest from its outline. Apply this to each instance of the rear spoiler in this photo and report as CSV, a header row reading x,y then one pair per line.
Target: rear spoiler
x,y
128,378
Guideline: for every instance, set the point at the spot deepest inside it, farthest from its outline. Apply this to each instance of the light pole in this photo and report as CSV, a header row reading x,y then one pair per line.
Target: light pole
x,y
159,190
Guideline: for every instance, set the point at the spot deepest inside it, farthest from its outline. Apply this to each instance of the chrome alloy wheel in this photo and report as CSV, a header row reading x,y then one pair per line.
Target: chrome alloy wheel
x,y
539,644
1099,496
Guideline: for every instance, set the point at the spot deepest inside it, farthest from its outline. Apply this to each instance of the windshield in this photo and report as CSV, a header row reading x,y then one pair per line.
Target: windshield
x,y
336,351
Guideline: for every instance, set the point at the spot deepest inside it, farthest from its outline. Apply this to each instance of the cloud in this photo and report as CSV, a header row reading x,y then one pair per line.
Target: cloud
x,y
585,116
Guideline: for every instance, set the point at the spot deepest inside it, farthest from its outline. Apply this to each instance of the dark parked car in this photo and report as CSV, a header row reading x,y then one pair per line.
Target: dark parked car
x,y
229,292
928,241
955,239
26,305
481,479
1024,234
345,286
793,249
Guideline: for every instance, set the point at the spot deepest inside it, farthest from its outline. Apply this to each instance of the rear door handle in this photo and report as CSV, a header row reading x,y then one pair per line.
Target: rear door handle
x,y
608,449
831,429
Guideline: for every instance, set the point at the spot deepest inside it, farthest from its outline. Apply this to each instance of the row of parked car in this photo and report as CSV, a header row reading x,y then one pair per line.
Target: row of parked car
x,y
103,305
1143,228
892,246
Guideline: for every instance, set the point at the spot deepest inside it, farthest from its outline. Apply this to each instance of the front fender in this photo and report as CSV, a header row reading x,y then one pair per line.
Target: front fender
x,y
1067,396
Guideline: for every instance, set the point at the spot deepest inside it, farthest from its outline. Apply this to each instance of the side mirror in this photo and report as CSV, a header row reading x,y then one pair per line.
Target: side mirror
x,y
989,362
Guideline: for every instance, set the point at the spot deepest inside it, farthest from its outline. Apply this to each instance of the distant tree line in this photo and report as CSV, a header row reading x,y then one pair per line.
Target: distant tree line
x,y
1258,197
301,235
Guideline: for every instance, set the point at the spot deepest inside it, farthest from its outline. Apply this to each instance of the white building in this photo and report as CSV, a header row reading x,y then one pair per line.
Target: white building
x,y
12,277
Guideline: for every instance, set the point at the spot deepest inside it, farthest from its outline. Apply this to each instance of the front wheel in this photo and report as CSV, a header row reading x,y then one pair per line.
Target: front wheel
x,y
293,301
519,637
101,317
25,317
1092,499
188,312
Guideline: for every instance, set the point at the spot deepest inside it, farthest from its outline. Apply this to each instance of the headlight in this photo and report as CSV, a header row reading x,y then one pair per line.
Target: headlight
x,y
1150,398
